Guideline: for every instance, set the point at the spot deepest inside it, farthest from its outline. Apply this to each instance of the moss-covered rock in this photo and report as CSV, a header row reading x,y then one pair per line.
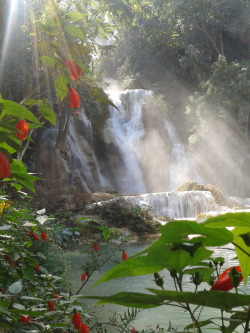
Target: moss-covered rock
x,y
216,192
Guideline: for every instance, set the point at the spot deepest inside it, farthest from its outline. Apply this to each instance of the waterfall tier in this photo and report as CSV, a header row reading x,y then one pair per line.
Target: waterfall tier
x,y
176,205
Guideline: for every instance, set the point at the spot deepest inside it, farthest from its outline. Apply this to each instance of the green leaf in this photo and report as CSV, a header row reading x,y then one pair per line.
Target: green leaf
x,y
29,274
201,324
213,299
137,300
18,306
243,258
40,254
16,287
18,111
75,31
229,220
60,325
99,97
11,144
205,272
178,231
50,61
236,319
61,86
48,114
76,16
19,172
28,312
177,259
132,267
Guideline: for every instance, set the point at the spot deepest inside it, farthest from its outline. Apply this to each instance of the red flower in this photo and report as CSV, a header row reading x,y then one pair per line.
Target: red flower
x,y
124,255
75,71
56,295
224,282
2,290
4,166
23,127
38,268
83,277
25,319
33,234
84,329
95,247
51,305
73,97
77,320
133,330
44,236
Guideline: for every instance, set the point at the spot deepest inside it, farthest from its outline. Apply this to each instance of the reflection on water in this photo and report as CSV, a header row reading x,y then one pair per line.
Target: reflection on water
x,y
147,318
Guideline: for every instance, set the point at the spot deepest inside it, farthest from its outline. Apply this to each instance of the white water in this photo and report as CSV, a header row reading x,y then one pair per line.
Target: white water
x,y
125,130
176,205
153,159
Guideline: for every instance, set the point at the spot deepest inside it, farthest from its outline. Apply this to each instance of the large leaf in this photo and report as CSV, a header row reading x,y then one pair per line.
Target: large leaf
x,y
15,287
243,258
18,111
61,86
229,220
178,231
10,143
20,173
132,267
75,31
177,259
44,109
50,61
76,16
214,299
48,114
137,300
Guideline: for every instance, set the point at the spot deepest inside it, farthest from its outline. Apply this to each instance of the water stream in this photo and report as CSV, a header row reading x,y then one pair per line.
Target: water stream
x,y
147,318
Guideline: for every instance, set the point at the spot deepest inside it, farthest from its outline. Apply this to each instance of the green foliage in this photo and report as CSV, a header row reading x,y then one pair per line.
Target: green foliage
x,y
181,254
226,91
120,214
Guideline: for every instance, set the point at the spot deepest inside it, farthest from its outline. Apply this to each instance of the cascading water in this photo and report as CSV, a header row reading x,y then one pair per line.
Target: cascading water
x,y
125,130
152,158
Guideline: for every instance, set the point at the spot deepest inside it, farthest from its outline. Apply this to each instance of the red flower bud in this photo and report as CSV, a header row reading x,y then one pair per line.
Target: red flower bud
x,y
74,99
84,329
95,247
51,305
23,127
38,268
133,330
4,166
25,319
56,295
44,236
124,255
75,71
77,320
83,277
224,282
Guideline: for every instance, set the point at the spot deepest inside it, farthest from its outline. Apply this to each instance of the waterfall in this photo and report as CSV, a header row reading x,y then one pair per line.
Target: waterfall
x,y
176,205
125,130
149,154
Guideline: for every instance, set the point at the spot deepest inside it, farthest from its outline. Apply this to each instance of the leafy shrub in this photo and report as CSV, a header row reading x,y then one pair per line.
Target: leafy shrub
x,y
121,214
